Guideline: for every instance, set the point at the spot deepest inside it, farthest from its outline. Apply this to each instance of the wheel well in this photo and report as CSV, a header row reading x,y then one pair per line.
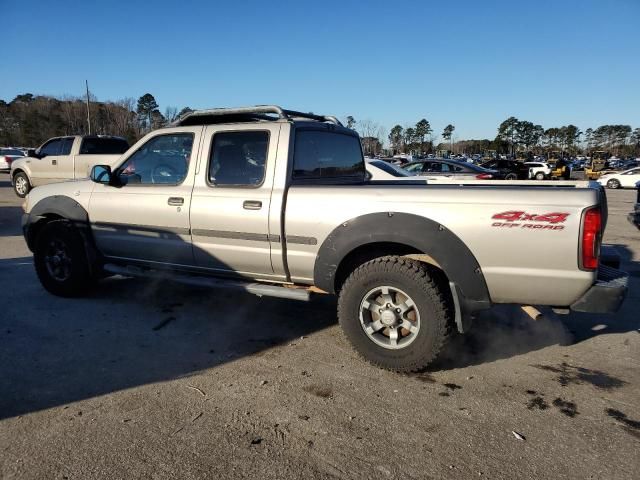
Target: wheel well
x,y
365,253
35,228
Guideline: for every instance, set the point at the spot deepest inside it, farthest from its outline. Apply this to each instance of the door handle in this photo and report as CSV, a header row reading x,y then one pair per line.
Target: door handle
x,y
54,162
252,204
175,201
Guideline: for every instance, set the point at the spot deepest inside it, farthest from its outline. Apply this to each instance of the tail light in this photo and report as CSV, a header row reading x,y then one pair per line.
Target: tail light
x,y
484,176
591,237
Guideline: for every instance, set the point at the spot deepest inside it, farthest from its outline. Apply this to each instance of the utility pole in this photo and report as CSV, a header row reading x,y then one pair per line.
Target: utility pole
x,y
88,111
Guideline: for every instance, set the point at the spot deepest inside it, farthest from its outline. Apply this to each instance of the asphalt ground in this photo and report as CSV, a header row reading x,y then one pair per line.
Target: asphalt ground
x,y
156,380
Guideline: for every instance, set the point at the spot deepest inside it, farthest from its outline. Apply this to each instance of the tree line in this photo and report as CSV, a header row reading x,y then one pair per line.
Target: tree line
x,y
29,120
513,136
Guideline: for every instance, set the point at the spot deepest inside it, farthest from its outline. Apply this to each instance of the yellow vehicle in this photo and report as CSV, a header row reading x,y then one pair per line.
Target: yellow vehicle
x,y
599,163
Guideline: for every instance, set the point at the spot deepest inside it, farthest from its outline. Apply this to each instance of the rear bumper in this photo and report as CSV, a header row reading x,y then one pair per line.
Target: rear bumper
x,y
607,294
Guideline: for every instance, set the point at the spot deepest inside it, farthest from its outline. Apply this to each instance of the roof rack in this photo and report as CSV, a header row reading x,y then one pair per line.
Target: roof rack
x,y
248,114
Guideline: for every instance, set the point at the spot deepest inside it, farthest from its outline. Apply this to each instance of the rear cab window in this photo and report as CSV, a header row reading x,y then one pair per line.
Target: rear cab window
x,y
322,156
103,146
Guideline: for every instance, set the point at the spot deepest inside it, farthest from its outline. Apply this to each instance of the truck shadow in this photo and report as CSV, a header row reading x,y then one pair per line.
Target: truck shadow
x,y
10,220
133,332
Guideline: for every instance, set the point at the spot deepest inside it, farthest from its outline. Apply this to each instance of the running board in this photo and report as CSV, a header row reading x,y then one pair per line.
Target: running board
x,y
259,289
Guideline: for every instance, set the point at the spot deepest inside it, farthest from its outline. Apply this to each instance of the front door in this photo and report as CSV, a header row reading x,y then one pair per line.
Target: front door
x,y
232,198
43,169
146,218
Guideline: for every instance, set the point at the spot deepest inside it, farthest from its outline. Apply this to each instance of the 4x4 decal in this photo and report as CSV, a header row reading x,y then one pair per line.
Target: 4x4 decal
x,y
545,221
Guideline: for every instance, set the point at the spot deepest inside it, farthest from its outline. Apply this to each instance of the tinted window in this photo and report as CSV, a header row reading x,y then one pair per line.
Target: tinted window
x,y
414,168
103,146
52,147
238,158
322,154
67,143
162,160
432,167
11,151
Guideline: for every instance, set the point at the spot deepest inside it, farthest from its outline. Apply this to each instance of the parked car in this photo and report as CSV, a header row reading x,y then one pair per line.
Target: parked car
x,y
7,156
64,158
281,207
452,169
381,170
538,170
626,179
510,169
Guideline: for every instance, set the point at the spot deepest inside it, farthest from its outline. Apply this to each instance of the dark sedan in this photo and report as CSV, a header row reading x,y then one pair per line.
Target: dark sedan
x,y
451,169
509,169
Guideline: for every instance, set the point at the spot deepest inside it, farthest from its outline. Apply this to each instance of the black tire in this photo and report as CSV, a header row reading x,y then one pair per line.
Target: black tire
x,y
75,279
511,176
21,184
613,183
540,176
430,301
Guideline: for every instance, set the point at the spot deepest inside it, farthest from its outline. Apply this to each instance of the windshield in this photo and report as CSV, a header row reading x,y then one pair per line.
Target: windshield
x,y
389,168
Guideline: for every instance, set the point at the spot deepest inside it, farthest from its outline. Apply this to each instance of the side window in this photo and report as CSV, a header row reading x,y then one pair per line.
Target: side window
x,y
457,168
51,148
67,143
238,158
433,167
163,160
415,168
446,167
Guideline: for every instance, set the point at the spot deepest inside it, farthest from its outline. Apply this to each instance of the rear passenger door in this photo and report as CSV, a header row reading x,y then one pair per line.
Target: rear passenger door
x,y
232,198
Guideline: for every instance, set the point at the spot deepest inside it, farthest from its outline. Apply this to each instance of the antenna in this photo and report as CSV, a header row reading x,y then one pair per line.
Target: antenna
x,y
88,111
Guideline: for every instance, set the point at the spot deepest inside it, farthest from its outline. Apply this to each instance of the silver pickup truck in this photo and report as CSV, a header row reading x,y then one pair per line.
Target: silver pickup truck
x,y
64,158
278,203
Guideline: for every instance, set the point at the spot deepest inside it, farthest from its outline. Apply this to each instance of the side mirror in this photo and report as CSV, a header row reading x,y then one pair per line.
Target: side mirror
x,y
101,174
32,153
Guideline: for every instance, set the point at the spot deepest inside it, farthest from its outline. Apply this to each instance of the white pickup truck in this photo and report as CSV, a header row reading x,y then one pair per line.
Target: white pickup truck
x,y
64,158
278,202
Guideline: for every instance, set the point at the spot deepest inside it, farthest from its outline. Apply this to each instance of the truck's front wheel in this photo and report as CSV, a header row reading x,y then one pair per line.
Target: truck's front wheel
x,y
394,314
61,261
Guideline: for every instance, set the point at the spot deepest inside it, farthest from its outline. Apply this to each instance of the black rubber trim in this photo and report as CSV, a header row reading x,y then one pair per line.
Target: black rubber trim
x,y
607,294
60,206
67,208
422,234
139,228
256,237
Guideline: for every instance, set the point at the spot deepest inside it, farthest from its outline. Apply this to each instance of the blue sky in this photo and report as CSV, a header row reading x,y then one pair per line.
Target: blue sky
x,y
470,63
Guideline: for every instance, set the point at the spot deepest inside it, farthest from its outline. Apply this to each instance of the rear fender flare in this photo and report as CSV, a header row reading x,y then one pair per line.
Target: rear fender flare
x,y
420,233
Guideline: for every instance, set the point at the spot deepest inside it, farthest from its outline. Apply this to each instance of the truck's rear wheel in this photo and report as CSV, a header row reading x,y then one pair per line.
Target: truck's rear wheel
x,y
540,176
61,261
394,314
21,184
